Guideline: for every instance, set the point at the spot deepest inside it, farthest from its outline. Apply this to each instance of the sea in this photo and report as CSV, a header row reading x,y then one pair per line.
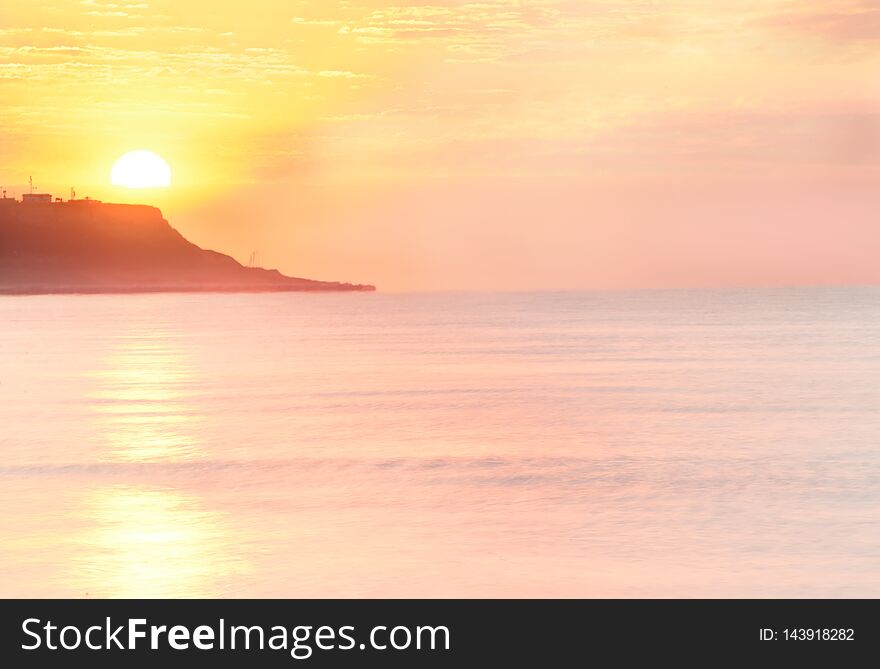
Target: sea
x,y
681,443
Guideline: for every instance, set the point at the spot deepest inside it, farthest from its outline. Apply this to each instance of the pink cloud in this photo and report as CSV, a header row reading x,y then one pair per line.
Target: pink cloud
x,y
856,21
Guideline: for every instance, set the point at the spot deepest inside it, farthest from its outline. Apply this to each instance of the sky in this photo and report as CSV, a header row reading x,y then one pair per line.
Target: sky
x,y
449,145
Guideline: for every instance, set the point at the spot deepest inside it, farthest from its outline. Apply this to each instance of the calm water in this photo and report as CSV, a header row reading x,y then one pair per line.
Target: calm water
x,y
622,444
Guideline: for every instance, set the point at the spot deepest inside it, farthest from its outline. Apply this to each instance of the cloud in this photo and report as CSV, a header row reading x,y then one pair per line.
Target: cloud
x,y
740,139
477,31
848,22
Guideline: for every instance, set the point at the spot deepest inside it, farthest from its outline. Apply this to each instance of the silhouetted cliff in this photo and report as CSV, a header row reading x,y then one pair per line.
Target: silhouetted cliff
x,y
90,247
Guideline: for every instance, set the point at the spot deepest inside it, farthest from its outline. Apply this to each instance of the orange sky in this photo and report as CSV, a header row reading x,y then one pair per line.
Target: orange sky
x,y
508,144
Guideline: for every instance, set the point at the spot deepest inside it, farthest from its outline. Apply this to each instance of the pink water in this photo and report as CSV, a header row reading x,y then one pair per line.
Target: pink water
x,y
682,443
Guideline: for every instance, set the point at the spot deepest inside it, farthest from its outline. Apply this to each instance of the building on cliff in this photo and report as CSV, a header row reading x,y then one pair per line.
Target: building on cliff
x,y
36,198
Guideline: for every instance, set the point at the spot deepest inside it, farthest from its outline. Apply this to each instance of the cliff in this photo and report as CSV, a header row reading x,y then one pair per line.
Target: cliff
x,y
91,247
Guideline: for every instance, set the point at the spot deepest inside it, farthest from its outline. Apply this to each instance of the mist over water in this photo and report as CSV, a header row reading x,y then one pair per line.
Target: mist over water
x,y
678,444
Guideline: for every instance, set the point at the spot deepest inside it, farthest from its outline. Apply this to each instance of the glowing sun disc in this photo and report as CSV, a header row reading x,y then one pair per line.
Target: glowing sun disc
x,y
141,169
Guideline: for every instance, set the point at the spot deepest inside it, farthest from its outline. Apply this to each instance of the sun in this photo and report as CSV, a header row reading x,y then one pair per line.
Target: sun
x,y
141,169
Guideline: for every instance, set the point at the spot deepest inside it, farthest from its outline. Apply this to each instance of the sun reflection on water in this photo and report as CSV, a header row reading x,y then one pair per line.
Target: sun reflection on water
x,y
143,402
143,535
155,543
